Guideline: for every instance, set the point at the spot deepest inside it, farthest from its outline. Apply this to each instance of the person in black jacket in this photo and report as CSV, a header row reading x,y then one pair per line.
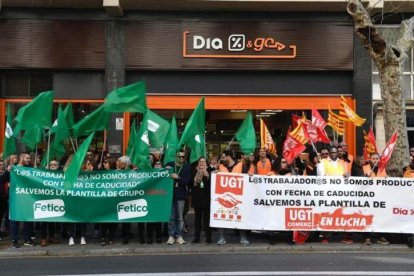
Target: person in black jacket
x,y
181,175
201,200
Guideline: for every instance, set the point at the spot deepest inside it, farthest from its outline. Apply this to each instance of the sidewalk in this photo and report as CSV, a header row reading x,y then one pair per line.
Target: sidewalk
x,y
258,244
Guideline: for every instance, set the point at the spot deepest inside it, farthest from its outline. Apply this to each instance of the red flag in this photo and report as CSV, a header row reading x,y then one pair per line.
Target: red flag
x,y
317,119
370,146
292,148
322,136
295,120
299,237
387,152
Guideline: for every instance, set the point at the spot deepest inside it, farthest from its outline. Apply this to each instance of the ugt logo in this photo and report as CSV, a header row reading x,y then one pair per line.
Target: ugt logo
x,y
229,184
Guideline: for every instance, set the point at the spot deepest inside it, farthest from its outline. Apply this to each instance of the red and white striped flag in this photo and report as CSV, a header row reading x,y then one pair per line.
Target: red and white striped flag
x,y
387,152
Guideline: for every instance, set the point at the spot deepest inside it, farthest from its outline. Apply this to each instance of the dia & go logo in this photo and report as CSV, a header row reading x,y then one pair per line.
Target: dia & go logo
x,y
132,209
49,208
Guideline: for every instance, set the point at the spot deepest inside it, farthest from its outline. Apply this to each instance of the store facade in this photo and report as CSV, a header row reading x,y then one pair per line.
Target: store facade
x,y
273,64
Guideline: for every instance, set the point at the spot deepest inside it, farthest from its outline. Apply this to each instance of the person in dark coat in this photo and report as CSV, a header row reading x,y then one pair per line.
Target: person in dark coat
x,y
201,200
181,175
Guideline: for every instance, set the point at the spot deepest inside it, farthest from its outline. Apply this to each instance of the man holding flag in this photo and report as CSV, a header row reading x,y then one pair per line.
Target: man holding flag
x,y
181,174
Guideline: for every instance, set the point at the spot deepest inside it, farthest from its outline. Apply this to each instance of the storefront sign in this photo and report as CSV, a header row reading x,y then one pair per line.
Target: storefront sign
x,y
249,45
236,46
100,196
353,204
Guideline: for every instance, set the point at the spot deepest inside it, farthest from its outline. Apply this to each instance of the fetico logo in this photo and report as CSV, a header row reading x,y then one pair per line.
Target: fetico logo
x,y
229,184
132,209
49,208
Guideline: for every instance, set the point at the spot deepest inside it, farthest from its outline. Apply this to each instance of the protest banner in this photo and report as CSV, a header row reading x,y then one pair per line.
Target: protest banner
x,y
308,203
99,196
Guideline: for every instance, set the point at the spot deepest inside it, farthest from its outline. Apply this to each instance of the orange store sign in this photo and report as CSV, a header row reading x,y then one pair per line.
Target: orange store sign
x,y
236,46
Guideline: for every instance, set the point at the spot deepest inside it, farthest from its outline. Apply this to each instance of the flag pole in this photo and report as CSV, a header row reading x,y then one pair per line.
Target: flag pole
x,y
73,145
35,160
313,146
103,146
231,142
375,165
48,150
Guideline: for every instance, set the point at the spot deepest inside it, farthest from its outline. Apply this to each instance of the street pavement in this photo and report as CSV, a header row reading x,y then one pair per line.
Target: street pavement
x,y
258,244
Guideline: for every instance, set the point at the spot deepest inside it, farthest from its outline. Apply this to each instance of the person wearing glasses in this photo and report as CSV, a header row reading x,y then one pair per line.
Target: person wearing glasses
x,y
181,175
333,166
324,154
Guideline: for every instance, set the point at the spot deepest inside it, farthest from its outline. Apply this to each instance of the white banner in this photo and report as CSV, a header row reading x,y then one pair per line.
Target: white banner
x,y
355,204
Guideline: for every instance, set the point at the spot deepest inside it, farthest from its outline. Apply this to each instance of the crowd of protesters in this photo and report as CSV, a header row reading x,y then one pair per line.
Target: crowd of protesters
x,y
191,189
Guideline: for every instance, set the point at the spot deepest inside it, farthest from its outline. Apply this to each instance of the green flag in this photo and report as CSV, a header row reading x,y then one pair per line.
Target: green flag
x,y
132,139
32,137
131,98
9,146
68,112
140,157
157,129
60,128
193,135
36,114
72,172
171,142
97,120
246,135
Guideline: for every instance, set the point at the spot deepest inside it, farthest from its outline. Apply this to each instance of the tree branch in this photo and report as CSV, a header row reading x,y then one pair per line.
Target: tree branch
x,y
406,40
377,47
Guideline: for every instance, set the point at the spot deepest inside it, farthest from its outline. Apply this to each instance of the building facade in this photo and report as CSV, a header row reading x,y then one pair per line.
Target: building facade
x,y
274,63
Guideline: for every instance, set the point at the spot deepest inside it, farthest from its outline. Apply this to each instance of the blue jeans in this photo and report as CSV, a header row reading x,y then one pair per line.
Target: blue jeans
x,y
176,223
